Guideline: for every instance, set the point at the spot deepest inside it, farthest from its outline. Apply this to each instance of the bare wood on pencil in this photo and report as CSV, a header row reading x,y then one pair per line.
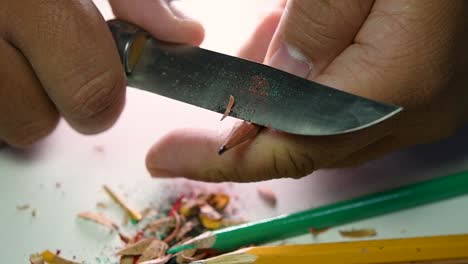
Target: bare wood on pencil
x,y
240,134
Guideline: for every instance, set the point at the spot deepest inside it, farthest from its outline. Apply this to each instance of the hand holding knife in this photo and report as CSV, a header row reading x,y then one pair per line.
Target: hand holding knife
x,y
264,96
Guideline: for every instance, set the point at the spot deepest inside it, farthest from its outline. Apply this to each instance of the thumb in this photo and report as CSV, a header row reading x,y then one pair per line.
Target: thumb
x,y
312,33
193,154
163,19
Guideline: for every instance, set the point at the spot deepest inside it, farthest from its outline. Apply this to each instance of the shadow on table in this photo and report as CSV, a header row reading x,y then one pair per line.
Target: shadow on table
x,y
404,167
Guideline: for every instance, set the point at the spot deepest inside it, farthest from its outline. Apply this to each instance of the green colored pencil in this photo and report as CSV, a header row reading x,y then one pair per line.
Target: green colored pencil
x,y
289,225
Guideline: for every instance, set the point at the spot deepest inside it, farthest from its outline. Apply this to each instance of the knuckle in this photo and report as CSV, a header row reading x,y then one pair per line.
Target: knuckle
x,y
290,164
320,23
219,175
26,135
96,95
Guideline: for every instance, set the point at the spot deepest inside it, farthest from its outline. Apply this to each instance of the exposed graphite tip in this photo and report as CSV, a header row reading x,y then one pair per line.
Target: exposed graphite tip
x,y
222,149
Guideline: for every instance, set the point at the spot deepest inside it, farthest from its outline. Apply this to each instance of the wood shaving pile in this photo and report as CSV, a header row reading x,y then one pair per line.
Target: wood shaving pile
x,y
188,216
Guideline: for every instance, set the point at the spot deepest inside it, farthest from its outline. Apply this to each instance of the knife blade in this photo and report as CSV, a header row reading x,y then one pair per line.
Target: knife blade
x,y
263,95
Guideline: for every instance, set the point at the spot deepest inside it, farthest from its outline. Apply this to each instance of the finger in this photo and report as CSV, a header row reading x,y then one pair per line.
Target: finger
x,y
372,67
312,33
389,39
194,154
374,151
27,114
162,18
256,46
73,54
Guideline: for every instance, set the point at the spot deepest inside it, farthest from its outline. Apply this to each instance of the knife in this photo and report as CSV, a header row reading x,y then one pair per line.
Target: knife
x,y
263,95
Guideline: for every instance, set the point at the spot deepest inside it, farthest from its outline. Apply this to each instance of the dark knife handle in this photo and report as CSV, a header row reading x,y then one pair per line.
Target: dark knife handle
x,y
130,41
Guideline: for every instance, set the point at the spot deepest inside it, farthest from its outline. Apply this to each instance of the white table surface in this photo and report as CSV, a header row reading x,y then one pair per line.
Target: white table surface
x,y
81,164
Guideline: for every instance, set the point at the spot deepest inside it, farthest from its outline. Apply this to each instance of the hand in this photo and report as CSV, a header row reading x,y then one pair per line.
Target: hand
x,y
406,52
58,58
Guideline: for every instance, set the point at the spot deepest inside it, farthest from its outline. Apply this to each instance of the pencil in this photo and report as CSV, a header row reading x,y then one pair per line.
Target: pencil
x,y
436,249
240,134
327,216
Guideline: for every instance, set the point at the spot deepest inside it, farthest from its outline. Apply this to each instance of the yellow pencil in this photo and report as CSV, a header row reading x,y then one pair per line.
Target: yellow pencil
x,y
438,249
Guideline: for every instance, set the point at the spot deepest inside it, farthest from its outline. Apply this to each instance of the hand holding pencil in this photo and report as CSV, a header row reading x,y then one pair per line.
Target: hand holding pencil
x,y
404,59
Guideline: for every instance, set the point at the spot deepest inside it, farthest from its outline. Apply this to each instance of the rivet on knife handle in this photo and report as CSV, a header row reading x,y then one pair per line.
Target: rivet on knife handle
x,y
264,95
130,41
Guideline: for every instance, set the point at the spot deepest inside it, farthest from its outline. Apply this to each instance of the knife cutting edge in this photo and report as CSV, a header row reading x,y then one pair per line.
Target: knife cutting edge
x,y
263,95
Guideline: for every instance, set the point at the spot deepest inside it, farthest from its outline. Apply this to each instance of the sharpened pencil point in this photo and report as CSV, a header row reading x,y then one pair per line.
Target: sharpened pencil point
x,y
240,133
222,149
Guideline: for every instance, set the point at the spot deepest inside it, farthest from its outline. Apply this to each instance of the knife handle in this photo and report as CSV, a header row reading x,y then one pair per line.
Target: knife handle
x,y
130,41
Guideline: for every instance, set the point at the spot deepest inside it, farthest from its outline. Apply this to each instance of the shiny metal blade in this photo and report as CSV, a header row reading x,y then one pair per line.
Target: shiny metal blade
x,y
263,95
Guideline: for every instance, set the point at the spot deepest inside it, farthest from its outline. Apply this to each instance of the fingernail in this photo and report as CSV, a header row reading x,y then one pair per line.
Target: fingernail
x,y
290,59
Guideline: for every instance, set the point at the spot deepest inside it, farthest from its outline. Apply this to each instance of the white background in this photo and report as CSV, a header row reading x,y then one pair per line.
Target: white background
x,y
81,164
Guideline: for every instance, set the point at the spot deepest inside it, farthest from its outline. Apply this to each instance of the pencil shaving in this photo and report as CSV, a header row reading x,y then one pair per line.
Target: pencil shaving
x,y
358,233
316,232
99,219
136,249
126,219
209,217
161,223
228,107
156,249
161,260
267,195
101,205
210,212
147,212
23,207
52,258
127,260
36,259
134,214
189,255
145,246
190,208
185,229
34,212
184,256
219,201
124,238
172,235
